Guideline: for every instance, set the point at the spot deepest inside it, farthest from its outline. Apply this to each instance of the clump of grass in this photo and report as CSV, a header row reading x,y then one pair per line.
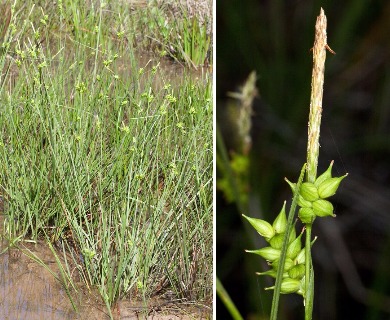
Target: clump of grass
x,y
102,161
178,33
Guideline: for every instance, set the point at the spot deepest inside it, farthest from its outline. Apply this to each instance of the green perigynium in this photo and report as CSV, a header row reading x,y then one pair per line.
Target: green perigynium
x,y
268,253
280,223
323,208
304,203
309,191
329,186
270,272
326,175
262,227
297,271
300,259
277,241
306,215
294,247
289,286
288,264
326,184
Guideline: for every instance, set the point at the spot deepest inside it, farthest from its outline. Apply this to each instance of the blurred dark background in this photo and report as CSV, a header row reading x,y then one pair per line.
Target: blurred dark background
x,y
352,254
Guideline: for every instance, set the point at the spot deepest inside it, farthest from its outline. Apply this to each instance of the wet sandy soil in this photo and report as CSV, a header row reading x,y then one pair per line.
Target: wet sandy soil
x,y
29,290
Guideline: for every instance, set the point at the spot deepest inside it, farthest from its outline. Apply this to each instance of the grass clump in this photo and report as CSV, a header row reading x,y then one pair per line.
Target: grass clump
x,y
104,156
180,31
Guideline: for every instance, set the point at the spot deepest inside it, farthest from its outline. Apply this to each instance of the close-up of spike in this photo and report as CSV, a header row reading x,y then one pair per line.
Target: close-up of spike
x,y
319,119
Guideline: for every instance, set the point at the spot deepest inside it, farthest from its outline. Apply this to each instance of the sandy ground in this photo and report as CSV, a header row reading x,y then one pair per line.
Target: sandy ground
x,y
30,291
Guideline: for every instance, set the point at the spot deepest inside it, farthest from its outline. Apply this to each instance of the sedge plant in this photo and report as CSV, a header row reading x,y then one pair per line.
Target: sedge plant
x,y
290,262
179,33
105,157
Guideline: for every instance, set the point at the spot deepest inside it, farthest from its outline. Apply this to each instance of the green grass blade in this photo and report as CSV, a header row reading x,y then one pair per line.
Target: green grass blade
x,y
225,298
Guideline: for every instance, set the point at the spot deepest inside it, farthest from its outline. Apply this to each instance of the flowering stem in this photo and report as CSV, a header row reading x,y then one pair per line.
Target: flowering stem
x,y
317,83
313,146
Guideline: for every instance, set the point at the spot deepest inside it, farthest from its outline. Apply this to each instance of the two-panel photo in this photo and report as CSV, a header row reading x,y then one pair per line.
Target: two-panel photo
x,y
194,159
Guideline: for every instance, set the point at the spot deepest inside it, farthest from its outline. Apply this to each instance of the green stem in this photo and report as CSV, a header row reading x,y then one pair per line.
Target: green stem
x,y
308,264
280,271
224,296
313,145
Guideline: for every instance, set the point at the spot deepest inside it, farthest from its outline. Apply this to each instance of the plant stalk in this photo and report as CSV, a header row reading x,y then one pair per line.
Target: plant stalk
x,y
317,84
224,296
308,270
280,271
313,146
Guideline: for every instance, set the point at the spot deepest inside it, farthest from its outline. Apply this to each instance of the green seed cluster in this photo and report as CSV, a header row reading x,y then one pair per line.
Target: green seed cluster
x,y
312,201
312,196
294,267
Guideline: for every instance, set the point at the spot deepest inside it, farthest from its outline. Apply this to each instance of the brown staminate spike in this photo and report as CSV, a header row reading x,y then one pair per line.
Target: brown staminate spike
x,y
317,83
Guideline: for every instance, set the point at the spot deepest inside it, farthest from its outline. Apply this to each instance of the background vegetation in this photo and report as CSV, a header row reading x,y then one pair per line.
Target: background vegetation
x,y
351,256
